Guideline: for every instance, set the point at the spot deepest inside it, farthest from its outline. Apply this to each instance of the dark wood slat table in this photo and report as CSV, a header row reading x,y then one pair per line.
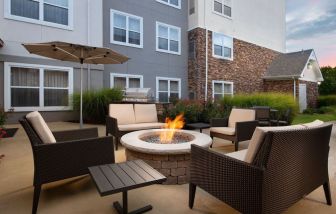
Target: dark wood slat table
x,y
121,177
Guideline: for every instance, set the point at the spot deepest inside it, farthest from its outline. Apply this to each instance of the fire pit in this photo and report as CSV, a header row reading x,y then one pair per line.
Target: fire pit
x,y
171,159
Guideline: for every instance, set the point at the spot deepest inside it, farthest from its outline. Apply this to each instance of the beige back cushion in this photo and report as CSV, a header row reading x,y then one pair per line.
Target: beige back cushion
x,y
240,115
145,113
124,113
40,127
313,124
258,137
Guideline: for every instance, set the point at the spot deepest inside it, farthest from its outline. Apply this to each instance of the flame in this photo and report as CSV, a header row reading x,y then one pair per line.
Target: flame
x,y
172,126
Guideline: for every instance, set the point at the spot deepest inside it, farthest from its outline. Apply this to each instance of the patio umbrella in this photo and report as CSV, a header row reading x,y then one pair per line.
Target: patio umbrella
x,y
76,53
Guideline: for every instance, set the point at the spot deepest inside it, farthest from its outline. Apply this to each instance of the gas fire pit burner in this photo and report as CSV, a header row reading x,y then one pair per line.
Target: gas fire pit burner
x,y
179,137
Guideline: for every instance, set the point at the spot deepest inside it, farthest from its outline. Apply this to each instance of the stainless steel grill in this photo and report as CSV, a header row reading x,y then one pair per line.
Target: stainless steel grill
x,y
139,94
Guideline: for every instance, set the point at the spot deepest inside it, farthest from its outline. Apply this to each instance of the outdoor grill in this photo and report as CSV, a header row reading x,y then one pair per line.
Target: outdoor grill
x,y
139,94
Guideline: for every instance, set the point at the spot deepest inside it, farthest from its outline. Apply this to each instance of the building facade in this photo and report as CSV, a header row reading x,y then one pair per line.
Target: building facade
x,y
30,82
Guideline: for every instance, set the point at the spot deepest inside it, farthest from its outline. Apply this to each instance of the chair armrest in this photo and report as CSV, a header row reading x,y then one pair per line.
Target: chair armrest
x,y
76,134
72,158
235,182
219,122
245,130
111,126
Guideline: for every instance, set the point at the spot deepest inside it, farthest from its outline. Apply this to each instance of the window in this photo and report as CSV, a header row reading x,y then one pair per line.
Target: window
x,y
221,89
126,29
222,46
167,88
37,87
168,38
124,81
191,7
222,7
55,13
173,3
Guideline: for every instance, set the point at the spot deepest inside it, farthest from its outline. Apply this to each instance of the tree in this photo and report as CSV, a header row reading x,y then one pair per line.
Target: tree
x,y
328,86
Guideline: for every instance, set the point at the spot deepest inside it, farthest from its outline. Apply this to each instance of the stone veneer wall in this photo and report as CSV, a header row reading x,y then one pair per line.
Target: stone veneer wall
x,y
246,70
174,167
312,93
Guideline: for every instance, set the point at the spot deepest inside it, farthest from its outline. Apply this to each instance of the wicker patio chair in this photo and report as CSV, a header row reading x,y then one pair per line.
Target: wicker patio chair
x,y
263,115
287,166
238,127
74,152
284,120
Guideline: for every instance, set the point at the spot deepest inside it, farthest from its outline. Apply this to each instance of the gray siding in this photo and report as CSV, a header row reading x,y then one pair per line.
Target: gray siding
x,y
147,61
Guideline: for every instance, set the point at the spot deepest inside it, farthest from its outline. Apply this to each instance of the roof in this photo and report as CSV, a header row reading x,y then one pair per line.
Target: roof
x,y
288,65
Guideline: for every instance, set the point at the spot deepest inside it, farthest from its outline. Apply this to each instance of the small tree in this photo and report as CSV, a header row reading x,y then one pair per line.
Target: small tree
x,y
328,86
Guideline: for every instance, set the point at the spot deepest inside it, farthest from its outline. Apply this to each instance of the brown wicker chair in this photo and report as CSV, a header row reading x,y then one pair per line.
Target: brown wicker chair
x,y
241,131
287,166
263,115
74,152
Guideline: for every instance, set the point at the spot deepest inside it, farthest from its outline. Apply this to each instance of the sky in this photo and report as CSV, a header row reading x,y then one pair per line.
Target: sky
x,y
311,24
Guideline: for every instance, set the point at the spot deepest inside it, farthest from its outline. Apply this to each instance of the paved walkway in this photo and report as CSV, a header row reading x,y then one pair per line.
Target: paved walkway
x,y
80,196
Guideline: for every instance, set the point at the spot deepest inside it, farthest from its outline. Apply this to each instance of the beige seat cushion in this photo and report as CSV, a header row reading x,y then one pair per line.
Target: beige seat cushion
x,y
140,126
124,113
313,124
145,113
240,115
223,130
240,155
258,137
40,127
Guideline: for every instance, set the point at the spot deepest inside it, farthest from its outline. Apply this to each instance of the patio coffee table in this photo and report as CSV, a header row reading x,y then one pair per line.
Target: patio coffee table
x,y
199,126
121,177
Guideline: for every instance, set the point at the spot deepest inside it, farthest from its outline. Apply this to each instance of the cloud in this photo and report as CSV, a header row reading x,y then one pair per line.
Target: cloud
x,y
312,24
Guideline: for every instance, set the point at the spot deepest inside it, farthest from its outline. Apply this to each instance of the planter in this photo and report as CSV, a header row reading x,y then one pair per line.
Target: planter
x,y
10,132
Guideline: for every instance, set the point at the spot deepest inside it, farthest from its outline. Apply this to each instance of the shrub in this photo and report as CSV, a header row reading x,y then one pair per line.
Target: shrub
x,y
192,110
328,86
3,117
95,103
326,100
279,101
213,110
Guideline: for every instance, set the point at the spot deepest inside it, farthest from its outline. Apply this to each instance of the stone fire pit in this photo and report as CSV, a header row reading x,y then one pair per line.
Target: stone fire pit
x,y
171,159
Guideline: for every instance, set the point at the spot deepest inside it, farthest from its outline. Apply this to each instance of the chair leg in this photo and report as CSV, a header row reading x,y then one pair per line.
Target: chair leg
x,y
37,191
236,144
326,187
192,192
117,143
212,141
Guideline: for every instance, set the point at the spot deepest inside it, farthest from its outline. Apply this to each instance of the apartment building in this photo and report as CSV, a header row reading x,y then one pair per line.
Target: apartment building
x,y
30,82
195,49
154,34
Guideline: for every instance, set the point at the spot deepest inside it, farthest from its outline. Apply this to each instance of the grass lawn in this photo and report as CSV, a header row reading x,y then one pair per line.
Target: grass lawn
x,y
306,118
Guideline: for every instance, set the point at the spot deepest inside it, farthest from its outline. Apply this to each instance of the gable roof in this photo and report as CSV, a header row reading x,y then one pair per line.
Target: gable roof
x,y
288,65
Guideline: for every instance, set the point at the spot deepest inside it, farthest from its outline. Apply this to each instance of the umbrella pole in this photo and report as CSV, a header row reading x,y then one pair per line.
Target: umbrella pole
x,y
81,92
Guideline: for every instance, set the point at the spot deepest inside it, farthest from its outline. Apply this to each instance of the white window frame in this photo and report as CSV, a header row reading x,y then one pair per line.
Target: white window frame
x,y
213,46
40,21
179,38
41,68
223,4
128,15
167,79
223,92
127,76
169,4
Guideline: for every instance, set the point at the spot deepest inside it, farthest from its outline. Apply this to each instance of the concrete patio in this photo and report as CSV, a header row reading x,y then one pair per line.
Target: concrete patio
x,y
79,195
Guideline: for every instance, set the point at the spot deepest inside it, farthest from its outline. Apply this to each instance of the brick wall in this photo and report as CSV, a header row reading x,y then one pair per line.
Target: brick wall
x,y
312,93
284,86
246,70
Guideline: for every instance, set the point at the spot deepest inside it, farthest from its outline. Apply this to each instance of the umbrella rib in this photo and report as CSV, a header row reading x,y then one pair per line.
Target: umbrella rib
x,y
100,57
64,51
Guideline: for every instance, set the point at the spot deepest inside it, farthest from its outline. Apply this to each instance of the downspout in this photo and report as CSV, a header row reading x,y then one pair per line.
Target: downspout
x,y
89,43
206,54
294,88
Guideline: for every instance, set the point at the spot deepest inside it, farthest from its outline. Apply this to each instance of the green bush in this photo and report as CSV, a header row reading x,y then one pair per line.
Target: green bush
x,y
3,117
328,86
326,100
192,110
278,101
95,103
213,110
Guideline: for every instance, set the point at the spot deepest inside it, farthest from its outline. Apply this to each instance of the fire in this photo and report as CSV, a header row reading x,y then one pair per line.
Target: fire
x,y
171,126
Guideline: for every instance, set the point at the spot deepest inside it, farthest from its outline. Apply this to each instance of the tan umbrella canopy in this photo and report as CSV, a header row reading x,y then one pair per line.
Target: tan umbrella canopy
x,y
76,53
